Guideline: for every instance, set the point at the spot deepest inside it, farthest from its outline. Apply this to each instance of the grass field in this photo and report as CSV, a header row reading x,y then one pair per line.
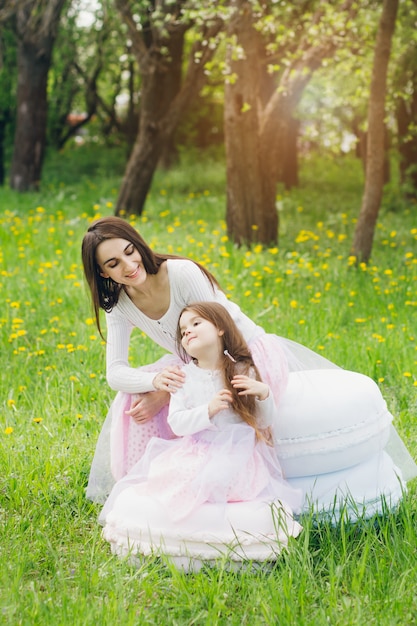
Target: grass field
x,y
56,569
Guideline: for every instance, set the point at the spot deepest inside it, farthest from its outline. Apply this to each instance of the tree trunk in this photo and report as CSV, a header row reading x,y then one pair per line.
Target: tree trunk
x,y
37,29
289,166
165,95
30,136
140,168
406,115
257,118
160,84
371,201
251,213
3,125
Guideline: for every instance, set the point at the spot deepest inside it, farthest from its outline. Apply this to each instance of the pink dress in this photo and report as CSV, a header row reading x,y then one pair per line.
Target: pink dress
x,y
213,464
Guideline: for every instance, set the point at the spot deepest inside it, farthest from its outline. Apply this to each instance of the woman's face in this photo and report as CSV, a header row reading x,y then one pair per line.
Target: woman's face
x,y
119,260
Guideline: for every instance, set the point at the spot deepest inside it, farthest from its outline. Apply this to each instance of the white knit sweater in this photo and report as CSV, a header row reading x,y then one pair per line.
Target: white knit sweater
x,y
188,284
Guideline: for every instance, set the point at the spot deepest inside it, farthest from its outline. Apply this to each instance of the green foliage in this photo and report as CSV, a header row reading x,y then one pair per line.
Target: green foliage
x,y
56,569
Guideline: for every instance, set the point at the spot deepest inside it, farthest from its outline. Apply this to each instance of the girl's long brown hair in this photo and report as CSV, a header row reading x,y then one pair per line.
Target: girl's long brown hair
x,y
237,347
104,291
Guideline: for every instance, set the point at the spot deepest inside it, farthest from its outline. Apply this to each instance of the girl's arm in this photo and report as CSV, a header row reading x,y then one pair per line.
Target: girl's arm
x,y
186,421
265,404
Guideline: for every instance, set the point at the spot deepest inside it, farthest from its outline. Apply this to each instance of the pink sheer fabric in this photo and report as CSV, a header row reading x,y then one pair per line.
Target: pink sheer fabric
x,y
227,465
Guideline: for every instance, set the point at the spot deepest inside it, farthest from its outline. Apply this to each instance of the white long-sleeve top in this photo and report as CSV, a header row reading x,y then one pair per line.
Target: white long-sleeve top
x,y
188,407
187,284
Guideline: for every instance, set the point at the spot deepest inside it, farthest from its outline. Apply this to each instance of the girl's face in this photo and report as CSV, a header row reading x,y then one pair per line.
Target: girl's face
x,y
198,335
119,260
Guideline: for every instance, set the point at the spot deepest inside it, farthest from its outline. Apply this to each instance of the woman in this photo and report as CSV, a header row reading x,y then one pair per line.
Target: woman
x,y
220,470
332,427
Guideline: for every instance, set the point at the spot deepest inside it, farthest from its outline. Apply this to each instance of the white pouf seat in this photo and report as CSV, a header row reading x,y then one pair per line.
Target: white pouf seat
x,y
329,420
239,531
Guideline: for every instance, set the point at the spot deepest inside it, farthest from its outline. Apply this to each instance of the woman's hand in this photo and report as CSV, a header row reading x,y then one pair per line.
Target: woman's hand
x,y
250,387
170,379
147,405
221,401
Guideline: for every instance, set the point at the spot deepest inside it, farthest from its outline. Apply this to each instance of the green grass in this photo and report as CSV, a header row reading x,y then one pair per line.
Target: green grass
x,y
56,569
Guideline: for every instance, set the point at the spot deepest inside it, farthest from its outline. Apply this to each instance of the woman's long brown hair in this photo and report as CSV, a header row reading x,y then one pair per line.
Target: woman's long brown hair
x,y
104,291
237,347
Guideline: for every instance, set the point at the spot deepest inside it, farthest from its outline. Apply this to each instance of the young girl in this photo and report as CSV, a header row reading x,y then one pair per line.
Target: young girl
x,y
218,487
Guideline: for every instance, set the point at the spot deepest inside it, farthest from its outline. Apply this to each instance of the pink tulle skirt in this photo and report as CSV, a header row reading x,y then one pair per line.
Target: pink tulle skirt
x,y
217,466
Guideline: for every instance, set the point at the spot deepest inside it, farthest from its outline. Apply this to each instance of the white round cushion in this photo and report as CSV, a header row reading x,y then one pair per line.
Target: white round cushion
x,y
139,525
329,420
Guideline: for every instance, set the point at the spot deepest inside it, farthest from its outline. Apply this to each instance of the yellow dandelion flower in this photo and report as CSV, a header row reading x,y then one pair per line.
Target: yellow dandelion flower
x,y
8,430
37,420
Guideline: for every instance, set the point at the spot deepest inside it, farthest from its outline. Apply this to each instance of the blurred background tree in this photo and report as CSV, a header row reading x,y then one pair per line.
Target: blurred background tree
x,y
259,83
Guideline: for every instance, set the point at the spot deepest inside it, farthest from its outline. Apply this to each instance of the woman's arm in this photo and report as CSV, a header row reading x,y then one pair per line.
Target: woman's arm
x,y
120,375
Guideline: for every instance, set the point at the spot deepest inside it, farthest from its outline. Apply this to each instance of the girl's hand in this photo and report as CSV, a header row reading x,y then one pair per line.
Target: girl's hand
x,y
170,379
221,401
147,405
250,387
